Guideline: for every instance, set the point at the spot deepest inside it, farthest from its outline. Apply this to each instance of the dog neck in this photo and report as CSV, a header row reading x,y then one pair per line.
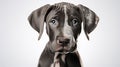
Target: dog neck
x,y
59,59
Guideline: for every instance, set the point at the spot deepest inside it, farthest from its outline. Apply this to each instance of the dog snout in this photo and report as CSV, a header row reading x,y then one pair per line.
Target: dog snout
x,y
63,41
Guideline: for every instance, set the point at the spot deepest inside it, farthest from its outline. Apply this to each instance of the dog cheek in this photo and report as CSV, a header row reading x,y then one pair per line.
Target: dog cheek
x,y
73,42
77,32
51,35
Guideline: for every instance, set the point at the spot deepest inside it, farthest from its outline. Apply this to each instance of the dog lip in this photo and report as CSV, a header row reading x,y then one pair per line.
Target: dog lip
x,y
61,49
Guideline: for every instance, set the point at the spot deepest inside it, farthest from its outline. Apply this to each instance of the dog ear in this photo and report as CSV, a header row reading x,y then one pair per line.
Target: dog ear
x,y
90,19
37,17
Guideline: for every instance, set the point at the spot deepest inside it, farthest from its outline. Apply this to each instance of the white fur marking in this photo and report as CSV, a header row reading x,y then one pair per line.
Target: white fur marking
x,y
89,17
97,19
67,31
63,57
56,61
57,65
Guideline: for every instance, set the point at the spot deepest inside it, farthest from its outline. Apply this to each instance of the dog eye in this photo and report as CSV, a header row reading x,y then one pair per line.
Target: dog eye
x,y
53,21
74,22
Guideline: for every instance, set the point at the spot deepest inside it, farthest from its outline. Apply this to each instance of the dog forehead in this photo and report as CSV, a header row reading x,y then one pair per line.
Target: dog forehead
x,y
58,10
62,7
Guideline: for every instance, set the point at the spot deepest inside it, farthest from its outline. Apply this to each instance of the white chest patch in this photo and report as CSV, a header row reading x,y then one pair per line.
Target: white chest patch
x,y
56,62
55,65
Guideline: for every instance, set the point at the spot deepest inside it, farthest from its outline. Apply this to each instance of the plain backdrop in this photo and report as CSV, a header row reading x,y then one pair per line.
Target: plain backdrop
x,y
19,45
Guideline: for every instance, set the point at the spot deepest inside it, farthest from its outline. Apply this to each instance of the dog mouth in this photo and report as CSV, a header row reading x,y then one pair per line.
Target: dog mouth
x,y
62,49
65,50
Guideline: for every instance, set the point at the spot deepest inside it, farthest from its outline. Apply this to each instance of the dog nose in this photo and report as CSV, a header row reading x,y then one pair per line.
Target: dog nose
x,y
63,41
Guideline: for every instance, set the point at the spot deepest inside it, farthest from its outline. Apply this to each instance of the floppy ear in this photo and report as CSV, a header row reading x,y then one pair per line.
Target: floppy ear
x,y
90,19
37,17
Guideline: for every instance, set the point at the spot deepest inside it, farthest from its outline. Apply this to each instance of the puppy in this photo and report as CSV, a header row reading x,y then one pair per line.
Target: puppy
x,y
63,26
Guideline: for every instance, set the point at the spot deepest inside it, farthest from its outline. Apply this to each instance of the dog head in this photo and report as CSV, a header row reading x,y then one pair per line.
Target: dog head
x,y
63,24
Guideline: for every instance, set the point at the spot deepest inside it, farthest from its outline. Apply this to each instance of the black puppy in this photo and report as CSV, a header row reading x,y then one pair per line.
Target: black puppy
x,y
63,24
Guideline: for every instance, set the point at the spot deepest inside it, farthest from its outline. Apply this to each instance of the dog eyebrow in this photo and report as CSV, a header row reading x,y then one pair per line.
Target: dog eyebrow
x,y
55,17
74,17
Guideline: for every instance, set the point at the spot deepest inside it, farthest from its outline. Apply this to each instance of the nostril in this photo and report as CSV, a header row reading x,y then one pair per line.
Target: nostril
x,y
67,41
64,41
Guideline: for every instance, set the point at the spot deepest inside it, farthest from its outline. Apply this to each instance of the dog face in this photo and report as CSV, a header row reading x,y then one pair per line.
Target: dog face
x,y
63,27
63,24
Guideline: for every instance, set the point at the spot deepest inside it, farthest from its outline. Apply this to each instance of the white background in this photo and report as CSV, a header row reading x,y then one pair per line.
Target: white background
x,y
19,46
